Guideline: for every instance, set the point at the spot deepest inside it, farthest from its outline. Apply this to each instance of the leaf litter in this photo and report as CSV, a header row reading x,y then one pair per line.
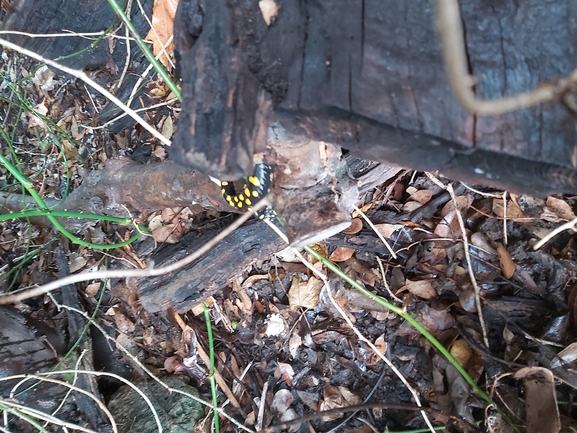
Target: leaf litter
x,y
277,330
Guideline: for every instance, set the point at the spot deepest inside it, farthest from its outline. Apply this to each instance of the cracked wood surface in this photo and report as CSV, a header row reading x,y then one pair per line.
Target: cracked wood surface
x,y
380,61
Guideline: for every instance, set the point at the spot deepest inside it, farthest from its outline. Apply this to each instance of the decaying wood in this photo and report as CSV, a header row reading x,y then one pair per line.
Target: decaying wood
x,y
404,148
125,188
378,63
50,17
186,287
226,106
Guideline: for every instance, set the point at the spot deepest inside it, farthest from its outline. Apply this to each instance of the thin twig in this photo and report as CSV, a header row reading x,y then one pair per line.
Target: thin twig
x,y
570,225
82,76
381,237
385,282
132,273
450,29
142,367
476,287
366,340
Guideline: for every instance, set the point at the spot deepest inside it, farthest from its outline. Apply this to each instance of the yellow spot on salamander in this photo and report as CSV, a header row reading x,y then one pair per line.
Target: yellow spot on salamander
x,y
236,199
254,180
248,202
224,183
246,191
239,204
255,194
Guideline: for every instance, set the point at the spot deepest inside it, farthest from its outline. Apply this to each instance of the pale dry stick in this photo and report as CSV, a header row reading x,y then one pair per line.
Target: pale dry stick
x,y
484,194
450,29
505,238
117,85
136,362
385,283
205,358
132,273
82,76
570,225
60,35
361,337
381,237
138,110
34,413
98,374
69,392
476,287
96,110
143,75
260,414
71,388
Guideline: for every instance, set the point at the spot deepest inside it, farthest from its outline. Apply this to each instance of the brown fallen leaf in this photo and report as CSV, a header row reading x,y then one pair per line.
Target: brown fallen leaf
x,y
423,288
163,14
340,254
285,372
540,401
506,262
560,208
336,398
355,227
305,294
422,196
170,233
513,210
387,230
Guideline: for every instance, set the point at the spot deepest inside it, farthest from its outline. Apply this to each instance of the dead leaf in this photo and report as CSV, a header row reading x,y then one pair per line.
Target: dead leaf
x,y
461,352
162,29
410,206
448,227
269,10
355,227
423,288
167,127
305,294
513,210
566,356
387,230
540,401
422,196
76,264
169,234
463,202
34,120
336,398
508,266
295,342
44,79
285,372
560,208
340,254
364,273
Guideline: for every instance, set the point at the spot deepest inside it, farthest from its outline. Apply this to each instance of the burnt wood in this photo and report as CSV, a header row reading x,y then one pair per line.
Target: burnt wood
x,y
185,288
378,62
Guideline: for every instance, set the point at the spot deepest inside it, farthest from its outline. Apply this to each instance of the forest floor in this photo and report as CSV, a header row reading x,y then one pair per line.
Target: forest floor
x,y
288,343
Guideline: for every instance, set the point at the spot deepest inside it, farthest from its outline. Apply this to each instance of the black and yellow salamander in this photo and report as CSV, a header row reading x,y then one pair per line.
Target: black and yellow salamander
x,y
253,189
